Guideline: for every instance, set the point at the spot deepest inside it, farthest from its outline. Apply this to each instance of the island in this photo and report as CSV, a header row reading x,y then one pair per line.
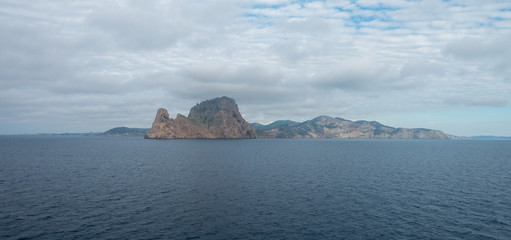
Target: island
x,y
215,118
329,127
221,118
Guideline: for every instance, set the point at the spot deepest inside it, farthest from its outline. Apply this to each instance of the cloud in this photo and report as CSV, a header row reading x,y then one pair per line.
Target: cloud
x,y
155,25
94,83
119,61
489,53
357,75
486,101
248,83
236,74
137,28
478,48
421,67
304,25
31,55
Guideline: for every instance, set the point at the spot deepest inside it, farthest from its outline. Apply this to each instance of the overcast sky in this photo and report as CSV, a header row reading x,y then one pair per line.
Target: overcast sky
x,y
80,66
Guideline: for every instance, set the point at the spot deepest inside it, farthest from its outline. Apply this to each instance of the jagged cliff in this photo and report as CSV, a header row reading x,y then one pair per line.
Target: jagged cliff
x,y
216,118
328,127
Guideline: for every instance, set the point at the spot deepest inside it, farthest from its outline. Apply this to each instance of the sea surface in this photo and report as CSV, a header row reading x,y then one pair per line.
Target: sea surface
x,y
83,187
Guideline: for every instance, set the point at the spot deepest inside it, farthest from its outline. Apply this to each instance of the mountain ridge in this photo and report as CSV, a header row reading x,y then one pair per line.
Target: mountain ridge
x,y
125,131
328,127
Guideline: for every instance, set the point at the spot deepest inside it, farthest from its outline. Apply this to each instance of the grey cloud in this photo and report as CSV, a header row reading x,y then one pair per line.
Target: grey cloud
x,y
298,50
79,112
94,83
290,51
37,57
208,13
484,101
503,69
421,67
472,48
156,25
137,28
251,83
357,75
489,54
218,73
31,55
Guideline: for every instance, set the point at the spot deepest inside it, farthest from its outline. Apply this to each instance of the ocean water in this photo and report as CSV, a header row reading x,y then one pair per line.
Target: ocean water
x,y
70,187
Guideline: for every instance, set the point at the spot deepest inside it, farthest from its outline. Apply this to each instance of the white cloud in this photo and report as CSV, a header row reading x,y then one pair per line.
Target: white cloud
x,y
111,61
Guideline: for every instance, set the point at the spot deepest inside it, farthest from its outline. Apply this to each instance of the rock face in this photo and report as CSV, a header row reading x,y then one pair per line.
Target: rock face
x,y
216,118
328,127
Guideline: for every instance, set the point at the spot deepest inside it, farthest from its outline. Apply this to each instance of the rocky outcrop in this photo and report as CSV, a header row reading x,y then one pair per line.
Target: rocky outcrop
x,y
216,118
328,127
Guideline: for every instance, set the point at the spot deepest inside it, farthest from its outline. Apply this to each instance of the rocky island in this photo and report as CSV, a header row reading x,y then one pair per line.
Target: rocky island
x,y
328,127
216,118
220,118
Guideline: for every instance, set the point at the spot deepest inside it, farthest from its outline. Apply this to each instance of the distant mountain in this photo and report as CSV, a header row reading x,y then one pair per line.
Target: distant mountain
x,y
125,131
328,127
215,118
276,124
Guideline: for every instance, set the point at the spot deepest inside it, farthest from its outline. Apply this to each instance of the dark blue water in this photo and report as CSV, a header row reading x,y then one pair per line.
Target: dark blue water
x,y
56,187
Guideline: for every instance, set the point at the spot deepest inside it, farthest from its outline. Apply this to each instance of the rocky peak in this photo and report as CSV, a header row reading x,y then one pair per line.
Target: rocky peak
x,y
162,115
206,111
215,118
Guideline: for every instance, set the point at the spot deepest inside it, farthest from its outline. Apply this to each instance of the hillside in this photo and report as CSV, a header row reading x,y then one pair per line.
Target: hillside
x,y
328,127
125,131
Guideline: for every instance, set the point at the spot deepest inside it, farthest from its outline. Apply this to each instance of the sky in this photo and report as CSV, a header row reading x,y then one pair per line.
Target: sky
x,y
88,66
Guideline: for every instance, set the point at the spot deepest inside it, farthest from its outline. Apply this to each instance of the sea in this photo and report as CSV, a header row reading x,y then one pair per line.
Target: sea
x,y
93,187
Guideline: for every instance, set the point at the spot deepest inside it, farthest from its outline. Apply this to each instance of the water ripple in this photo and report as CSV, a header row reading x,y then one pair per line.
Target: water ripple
x,y
131,188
